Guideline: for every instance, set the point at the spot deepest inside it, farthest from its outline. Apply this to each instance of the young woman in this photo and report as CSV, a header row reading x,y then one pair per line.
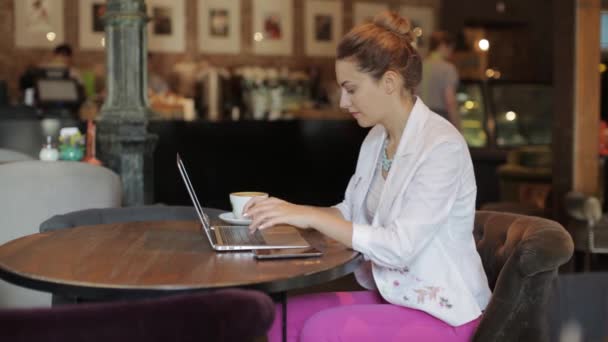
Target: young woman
x,y
408,208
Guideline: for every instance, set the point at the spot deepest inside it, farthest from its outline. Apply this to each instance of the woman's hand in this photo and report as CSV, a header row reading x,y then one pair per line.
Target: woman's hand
x,y
268,212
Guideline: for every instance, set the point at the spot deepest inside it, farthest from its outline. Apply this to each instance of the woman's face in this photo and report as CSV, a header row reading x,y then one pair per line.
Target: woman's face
x,y
361,95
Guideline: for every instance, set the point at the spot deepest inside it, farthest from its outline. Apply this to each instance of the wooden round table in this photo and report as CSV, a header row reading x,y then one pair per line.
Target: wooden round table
x,y
143,259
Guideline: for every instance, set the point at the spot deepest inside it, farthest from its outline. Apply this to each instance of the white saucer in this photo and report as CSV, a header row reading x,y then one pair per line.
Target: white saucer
x,y
229,218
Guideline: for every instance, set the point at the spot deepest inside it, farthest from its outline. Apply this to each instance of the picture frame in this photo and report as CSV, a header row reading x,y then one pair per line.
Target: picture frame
x,y
272,27
365,11
167,25
219,26
422,17
323,27
91,35
39,23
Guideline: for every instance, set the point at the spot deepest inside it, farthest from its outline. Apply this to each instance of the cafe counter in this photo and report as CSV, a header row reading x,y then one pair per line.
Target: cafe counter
x,y
305,161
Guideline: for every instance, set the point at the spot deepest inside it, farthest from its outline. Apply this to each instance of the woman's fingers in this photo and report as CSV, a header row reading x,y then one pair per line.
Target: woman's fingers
x,y
271,222
266,212
260,221
261,206
252,202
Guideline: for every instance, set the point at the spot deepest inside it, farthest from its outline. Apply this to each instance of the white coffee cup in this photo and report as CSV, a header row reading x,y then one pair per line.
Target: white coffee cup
x,y
239,199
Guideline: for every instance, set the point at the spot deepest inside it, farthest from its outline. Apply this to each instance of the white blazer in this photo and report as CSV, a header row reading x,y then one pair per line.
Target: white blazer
x,y
420,242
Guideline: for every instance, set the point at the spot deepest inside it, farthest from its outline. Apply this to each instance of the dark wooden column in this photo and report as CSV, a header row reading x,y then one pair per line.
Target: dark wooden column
x,y
576,107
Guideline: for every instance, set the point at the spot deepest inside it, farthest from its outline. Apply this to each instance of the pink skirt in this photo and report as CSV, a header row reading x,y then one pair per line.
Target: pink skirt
x,y
361,316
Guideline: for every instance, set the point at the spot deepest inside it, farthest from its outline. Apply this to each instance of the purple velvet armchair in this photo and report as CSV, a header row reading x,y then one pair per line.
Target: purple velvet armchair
x,y
222,315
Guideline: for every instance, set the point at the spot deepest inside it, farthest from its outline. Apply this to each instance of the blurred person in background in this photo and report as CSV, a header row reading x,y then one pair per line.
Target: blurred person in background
x,y
58,65
62,57
440,78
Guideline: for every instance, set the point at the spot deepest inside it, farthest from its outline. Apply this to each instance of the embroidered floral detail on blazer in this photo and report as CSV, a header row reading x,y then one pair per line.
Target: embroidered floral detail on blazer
x,y
430,293
444,303
403,270
421,294
424,294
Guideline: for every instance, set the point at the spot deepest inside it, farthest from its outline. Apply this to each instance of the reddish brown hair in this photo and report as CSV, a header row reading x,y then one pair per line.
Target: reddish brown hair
x,y
381,45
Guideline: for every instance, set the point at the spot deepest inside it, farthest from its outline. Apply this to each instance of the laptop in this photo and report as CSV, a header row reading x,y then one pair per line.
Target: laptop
x,y
236,238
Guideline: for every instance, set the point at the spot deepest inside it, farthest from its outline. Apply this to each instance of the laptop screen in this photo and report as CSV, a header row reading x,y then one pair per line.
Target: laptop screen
x,y
197,206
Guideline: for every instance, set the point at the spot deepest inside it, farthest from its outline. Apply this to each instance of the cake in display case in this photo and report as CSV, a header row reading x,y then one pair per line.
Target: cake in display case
x,y
505,114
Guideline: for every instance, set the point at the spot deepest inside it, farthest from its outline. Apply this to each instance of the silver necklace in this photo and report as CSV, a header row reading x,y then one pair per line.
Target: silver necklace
x,y
385,162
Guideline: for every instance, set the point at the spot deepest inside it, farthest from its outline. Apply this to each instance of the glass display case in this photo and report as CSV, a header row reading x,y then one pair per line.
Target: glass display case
x,y
473,108
505,114
523,113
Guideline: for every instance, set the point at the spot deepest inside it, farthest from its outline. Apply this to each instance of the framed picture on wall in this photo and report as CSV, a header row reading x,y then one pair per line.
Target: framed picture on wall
x,y
91,33
167,25
365,11
38,23
323,27
273,27
219,26
423,24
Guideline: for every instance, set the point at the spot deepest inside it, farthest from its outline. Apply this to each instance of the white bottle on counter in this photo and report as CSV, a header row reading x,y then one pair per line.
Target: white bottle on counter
x,y
48,151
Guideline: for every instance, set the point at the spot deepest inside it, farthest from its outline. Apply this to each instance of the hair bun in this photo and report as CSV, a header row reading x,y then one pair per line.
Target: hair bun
x,y
393,22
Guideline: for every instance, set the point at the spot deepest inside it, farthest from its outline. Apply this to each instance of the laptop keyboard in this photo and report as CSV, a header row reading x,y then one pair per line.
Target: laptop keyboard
x,y
240,236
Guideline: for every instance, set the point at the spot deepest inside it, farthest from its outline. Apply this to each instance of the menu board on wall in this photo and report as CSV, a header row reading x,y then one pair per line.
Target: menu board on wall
x,y
323,26
167,25
273,27
39,23
219,26
91,24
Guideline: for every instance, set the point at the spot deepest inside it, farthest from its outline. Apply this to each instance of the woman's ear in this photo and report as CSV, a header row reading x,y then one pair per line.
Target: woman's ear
x,y
391,82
